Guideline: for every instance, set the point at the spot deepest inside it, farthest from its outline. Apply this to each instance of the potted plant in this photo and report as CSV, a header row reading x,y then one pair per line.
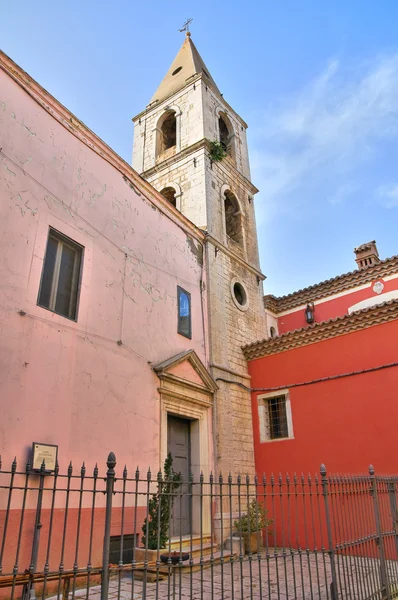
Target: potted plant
x,y
250,524
156,527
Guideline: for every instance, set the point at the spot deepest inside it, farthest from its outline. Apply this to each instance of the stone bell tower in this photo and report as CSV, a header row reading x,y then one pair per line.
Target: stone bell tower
x,y
173,151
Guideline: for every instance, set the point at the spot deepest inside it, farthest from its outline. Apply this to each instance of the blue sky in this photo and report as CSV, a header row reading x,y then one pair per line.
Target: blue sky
x,y
317,82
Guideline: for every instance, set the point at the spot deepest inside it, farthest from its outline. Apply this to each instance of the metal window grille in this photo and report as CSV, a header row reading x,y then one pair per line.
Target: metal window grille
x,y
277,418
61,275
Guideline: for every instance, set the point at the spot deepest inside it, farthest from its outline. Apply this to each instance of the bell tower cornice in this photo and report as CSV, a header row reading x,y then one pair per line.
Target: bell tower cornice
x,y
226,164
153,107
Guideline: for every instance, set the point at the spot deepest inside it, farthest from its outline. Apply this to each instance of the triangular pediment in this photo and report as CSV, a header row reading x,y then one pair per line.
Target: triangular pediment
x,y
186,64
186,367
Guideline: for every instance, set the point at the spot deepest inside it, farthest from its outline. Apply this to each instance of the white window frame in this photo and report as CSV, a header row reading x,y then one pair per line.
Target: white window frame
x,y
263,416
62,241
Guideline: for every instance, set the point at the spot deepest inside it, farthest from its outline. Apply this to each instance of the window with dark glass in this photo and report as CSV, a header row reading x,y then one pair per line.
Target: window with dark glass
x,y
184,312
61,275
277,418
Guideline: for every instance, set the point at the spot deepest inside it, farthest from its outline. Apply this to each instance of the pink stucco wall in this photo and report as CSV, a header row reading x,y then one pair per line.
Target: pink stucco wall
x,y
70,383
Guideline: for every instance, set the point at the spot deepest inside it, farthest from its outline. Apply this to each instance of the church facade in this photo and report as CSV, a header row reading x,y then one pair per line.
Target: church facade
x,y
132,302
126,298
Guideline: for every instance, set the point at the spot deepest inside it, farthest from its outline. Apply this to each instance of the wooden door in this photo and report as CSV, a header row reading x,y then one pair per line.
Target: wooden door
x,y
178,443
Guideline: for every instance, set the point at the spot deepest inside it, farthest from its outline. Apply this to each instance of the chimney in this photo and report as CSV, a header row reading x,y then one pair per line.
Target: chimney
x,y
366,255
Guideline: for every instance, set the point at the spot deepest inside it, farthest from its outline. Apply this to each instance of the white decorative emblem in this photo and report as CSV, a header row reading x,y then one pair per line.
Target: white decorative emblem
x,y
378,287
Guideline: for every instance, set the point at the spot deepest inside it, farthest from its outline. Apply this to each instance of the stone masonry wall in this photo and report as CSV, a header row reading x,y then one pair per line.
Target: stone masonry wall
x,y
202,185
212,102
189,175
188,101
231,329
217,176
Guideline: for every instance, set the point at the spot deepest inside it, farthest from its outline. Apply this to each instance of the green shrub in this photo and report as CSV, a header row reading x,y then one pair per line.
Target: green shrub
x,y
217,151
160,507
254,519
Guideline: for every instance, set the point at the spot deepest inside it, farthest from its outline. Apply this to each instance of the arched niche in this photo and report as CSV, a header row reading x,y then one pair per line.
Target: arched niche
x,y
232,216
226,133
172,193
167,132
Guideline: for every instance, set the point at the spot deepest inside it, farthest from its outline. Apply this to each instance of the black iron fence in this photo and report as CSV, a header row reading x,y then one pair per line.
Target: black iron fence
x,y
124,536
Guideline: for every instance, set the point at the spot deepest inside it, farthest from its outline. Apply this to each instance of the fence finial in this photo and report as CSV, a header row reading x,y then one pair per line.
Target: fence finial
x,y
323,470
111,462
371,470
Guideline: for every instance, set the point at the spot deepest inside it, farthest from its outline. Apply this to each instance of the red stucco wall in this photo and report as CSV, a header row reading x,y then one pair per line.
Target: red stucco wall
x,y
334,307
346,423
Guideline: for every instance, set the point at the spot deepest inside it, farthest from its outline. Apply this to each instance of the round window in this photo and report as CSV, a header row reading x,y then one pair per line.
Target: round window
x,y
239,295
178,69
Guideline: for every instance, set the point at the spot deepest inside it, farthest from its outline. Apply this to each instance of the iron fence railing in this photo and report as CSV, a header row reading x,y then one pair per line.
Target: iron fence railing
x,y
124,535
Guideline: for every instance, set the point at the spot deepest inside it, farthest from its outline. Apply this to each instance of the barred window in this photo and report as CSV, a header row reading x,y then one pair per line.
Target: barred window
x,y
275,417
61,275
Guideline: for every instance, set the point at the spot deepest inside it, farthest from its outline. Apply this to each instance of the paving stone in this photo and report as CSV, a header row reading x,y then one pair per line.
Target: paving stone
x,y
306,580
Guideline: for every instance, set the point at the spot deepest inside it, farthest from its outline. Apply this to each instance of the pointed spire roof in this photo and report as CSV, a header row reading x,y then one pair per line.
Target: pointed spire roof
x,y
186,64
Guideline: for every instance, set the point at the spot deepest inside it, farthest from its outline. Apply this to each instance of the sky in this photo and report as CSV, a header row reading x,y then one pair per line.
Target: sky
x,y
317,83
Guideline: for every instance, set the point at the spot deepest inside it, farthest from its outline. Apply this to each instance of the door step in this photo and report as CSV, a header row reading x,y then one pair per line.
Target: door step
x,y
198,563
186,541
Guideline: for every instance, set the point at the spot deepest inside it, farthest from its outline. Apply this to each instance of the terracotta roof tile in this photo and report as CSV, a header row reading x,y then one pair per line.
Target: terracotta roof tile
x,y
331,286
368,317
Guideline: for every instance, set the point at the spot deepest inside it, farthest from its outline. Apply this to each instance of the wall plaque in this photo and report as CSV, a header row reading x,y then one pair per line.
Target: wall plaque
x,y
46,452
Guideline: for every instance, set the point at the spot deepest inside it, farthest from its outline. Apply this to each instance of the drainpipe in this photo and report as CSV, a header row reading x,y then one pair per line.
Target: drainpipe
x,y
209,335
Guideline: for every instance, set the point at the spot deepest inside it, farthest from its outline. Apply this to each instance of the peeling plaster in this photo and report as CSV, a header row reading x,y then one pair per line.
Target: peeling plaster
x,y
25,207
131,185
95,196
9,170
59,203
196,248
27,161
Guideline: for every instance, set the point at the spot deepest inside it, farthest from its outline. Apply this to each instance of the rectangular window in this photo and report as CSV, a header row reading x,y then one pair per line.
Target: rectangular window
x,y
184,312
61,275
275,417
130,541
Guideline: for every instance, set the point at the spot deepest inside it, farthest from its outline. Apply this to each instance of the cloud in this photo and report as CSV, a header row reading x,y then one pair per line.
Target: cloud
x,y
343,192
317,139
389,193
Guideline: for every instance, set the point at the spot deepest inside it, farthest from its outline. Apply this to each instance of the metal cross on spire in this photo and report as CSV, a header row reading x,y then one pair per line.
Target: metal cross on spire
x,y
185,27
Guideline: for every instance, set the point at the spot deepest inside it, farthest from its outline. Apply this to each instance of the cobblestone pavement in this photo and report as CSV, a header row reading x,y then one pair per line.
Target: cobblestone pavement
x,y
305,577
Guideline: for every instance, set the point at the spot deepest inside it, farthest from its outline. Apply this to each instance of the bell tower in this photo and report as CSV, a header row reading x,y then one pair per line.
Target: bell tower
x,y
191,146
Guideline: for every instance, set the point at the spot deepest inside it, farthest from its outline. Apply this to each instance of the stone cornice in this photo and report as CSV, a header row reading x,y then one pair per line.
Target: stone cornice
x,y
162,371
217,244
198,77
369,317
201,144
332,286
77,128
